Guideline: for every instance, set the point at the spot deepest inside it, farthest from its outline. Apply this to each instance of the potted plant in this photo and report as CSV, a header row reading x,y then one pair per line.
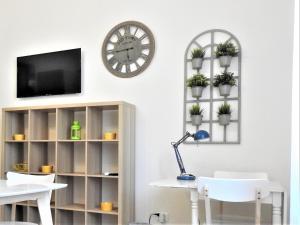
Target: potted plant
x,y
225,51
197,83
224,81
197,58
224,114
196,114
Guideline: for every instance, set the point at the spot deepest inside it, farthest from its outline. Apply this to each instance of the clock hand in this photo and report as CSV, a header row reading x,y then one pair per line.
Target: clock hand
x,y
128,55
123,50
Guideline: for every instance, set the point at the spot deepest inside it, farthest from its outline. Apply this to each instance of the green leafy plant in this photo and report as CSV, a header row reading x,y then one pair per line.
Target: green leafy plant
x,y
198,80
224,109
226,49
224,78
195,110
198,53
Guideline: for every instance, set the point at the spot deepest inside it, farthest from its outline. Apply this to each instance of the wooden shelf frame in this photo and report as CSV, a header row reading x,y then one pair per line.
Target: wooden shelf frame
x,y
81,164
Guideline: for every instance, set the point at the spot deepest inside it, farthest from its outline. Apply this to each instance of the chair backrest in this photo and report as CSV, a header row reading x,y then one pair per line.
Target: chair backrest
x,y
240,175
233,190
18,178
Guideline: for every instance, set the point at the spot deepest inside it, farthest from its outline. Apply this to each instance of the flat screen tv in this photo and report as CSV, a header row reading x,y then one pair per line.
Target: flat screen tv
x,y
53,73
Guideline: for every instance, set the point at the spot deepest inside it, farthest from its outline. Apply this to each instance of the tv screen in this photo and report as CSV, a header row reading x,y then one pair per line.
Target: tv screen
x,y
52,73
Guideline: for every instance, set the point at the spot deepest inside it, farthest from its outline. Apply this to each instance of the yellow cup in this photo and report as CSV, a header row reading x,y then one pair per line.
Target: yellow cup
x,y
47,169
19,137
110,135
21,167
106,206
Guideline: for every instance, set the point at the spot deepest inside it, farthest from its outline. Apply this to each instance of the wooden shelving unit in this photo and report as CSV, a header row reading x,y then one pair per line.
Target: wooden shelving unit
x,y
80,164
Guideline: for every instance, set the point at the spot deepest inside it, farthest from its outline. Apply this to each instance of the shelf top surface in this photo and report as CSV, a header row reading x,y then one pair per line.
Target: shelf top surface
x,y
97,210
24,109
72,207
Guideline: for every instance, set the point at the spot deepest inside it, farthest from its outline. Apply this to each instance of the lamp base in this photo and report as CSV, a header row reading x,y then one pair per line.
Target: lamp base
x,y
186,177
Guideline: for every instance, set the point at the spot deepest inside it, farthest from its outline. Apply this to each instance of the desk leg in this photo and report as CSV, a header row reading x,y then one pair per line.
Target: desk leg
x,y
277,208
194,202
44,209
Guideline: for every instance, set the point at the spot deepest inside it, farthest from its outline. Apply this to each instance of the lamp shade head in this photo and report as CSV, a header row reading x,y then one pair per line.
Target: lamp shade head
x,y
201,134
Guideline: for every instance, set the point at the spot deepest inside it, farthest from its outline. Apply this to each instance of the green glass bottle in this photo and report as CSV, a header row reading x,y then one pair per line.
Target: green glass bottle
x,y
75,130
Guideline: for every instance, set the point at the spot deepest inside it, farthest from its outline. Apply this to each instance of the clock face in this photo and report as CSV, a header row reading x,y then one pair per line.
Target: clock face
x,y
128,49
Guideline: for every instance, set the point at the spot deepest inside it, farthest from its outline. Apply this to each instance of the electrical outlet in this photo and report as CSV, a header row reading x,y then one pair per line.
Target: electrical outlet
x,y
163,217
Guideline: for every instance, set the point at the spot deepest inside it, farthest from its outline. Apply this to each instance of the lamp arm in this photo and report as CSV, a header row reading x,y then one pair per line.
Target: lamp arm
x,y
178,156
179,160
186,136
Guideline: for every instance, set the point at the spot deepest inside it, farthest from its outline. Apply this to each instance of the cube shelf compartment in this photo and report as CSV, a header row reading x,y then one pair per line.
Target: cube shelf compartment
x,y
44,123
33,215
66,217
96,219
102,157
15,153
102,190
71,157
79,163
108,121
73,197
41,153
16,122
65,119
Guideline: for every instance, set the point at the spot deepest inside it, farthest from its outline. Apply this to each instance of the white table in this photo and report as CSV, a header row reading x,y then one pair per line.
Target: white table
x,y
10,193
277,198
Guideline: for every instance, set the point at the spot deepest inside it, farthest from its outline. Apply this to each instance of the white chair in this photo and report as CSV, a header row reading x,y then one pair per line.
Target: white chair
x,y
17,178
232,190
240,175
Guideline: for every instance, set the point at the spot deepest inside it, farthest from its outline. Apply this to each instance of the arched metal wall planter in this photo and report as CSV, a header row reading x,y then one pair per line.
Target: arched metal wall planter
x,y
219,134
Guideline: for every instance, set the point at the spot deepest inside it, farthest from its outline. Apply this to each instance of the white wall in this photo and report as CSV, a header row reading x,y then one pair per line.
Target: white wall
x,y
264,29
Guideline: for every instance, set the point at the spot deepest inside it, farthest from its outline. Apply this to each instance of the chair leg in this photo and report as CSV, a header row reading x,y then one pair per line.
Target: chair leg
x,y
258,208
13,212
207,207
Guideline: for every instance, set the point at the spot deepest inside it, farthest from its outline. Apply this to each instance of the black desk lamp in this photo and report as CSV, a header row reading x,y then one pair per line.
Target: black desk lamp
x,y
199,135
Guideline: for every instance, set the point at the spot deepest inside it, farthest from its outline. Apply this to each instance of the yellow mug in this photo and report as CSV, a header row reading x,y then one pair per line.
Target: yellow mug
x,y
19,137
106,206
47,168
21,167
110,135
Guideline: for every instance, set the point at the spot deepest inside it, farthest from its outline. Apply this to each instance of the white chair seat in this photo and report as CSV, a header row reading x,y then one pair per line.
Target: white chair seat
x,y
16,223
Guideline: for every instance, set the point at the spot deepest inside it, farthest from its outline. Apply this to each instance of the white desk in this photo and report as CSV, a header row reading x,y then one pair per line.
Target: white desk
x,y
10,193
277,198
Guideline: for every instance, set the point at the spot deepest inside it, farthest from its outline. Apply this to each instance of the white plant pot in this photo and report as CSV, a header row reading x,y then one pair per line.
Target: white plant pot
x,y
197,91
197,63
225,61
224,119
196,120
225,90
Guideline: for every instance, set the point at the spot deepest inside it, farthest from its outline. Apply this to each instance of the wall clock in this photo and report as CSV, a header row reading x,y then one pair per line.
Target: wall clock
x,y
128,49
